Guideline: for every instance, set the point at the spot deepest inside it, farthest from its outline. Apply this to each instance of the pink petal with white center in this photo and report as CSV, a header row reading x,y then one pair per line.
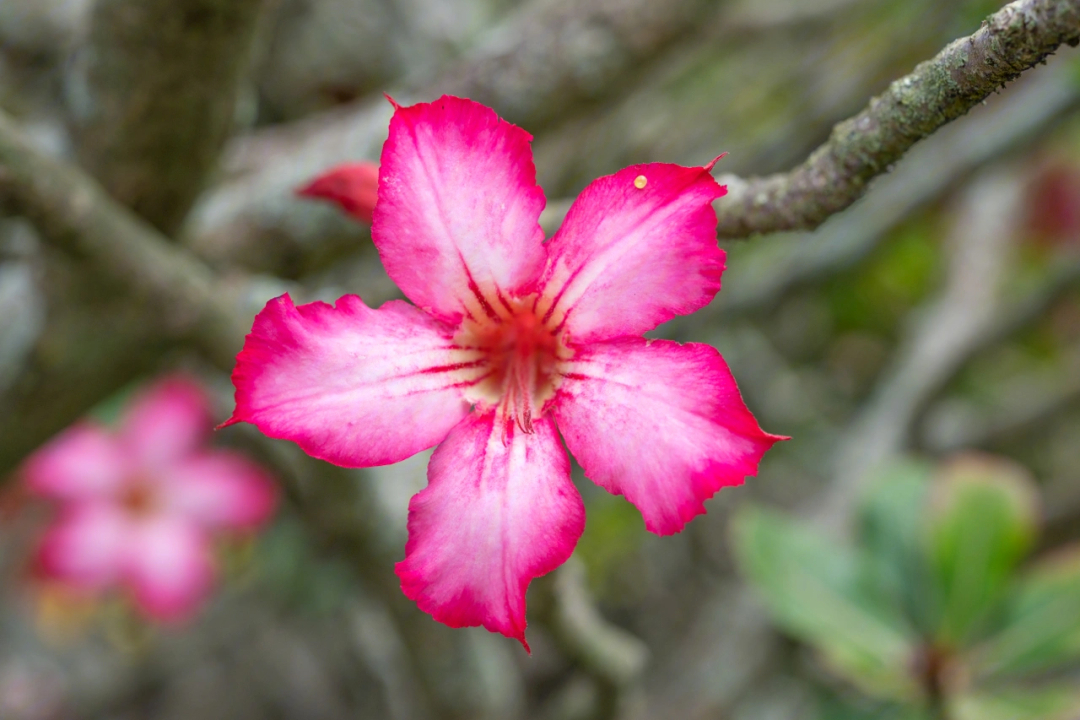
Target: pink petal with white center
x,y
457,219
658,422
351,385
166,421
85,546
353,187
82,463
636,249
498,511
219,489
168,567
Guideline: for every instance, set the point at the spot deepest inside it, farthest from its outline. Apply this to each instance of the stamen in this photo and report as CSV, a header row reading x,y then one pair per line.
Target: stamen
x,y
520,358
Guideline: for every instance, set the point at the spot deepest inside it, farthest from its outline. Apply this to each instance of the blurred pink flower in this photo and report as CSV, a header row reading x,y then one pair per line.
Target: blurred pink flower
x,y
137,506
510,342
353,186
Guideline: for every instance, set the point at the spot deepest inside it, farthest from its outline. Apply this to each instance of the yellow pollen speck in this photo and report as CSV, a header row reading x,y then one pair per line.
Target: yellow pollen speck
x,y
640,182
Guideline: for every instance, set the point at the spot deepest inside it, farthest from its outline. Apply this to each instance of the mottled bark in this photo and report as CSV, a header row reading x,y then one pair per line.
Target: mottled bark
x,y
1016,38
160,85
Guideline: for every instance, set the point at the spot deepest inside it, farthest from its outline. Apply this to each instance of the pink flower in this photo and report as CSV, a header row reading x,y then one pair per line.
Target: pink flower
x,y
137,506
353,186
510,342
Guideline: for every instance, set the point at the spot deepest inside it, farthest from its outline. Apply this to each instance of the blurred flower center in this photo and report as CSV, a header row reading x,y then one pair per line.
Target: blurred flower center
x,y
518,356
139,498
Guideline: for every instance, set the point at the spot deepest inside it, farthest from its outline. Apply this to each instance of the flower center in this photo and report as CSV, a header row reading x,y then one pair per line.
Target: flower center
x,y
518,357
139,498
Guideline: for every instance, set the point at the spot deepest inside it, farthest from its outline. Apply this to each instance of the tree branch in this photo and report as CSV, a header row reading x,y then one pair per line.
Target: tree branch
x,y
162,79
166,284
547,57
76,215
1019,36
154,104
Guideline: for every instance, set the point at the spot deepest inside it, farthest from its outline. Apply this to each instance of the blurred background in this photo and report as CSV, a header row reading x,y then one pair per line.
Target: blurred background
x,y
908,554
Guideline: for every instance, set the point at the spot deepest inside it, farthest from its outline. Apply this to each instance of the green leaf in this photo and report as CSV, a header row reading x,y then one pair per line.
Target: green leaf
x,y
1048,703
983,522
892,530
812,588
1042,627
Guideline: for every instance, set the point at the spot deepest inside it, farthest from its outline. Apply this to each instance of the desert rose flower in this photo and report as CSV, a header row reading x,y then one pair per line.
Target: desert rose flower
x,y
137,506
510,342
353,186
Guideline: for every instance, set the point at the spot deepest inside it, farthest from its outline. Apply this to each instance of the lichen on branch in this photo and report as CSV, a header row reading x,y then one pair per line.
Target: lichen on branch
x,y
1016,38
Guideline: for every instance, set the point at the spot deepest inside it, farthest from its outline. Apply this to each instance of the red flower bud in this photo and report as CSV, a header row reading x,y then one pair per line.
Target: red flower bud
x,y
353,186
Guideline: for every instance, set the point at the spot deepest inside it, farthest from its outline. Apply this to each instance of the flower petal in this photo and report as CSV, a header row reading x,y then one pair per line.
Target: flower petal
x,y
457,219
85,546
81,463
353,187
498,511
349,384
220,489
636,249
658,422
166,421
169,568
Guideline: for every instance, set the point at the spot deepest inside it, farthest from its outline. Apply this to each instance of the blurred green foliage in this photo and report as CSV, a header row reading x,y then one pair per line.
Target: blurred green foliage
x,y
291,568
930,613
610,543
899,275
